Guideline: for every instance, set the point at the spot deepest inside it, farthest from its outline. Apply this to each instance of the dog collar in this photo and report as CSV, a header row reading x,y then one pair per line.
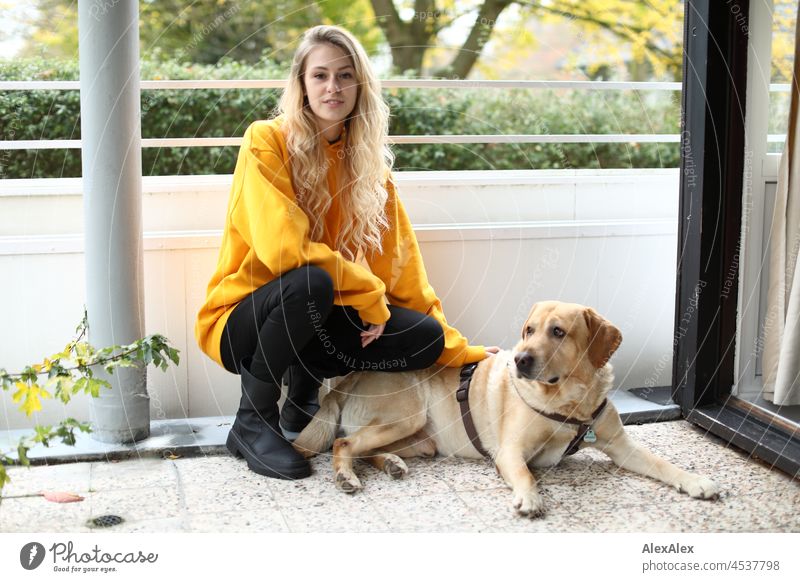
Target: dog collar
x,y
462,395
585,431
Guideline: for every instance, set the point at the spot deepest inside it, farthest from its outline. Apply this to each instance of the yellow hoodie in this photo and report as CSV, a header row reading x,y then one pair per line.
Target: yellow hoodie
x,y
267,234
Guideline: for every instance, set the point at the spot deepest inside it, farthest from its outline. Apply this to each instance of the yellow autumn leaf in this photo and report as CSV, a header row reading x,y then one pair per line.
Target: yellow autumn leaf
x,y
31,396
22,390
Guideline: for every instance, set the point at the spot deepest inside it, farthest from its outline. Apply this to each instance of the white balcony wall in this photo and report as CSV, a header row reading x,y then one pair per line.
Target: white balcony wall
x,y
494,243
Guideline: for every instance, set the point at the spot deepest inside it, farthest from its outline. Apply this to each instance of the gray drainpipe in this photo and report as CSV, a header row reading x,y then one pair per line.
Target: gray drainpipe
x,y
112,202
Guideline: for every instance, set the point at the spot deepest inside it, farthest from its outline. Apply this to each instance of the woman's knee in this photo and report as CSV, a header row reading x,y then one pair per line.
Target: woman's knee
x,y
311,284
431,335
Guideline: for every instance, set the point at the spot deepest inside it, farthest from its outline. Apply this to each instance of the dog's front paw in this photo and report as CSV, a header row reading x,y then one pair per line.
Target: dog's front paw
x,y
699,487
529,504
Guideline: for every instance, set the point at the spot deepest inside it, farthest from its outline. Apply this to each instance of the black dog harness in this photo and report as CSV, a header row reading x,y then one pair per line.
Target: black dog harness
x,y
585,432
462,395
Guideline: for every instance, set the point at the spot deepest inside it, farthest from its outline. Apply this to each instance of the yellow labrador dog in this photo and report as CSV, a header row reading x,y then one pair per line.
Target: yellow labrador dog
x,y
529,406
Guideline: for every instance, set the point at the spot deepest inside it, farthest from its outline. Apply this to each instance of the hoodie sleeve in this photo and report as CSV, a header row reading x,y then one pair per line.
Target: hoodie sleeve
x,y
401,268
266,216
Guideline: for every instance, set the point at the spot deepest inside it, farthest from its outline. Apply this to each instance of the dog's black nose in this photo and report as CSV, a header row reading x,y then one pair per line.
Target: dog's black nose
x,y
524,362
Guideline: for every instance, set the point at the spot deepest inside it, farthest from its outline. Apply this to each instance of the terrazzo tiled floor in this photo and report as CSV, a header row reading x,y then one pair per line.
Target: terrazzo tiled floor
x,y
585,493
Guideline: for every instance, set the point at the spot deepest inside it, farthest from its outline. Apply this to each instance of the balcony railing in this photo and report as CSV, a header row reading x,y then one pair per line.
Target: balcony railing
x,y
387,84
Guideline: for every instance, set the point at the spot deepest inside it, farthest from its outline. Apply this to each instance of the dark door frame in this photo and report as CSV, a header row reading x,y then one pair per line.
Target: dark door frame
x,y
712,170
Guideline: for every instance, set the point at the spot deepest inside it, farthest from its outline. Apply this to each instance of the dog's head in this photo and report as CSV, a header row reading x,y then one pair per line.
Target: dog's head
x,y
562,341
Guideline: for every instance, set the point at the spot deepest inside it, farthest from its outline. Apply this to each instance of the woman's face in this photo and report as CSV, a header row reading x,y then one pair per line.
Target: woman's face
x,y
331,88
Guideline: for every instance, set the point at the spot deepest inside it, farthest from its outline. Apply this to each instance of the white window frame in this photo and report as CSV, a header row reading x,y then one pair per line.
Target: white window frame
x,y
761,169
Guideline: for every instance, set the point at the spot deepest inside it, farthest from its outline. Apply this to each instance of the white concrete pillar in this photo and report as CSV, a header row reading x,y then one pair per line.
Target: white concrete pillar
x,y
112,179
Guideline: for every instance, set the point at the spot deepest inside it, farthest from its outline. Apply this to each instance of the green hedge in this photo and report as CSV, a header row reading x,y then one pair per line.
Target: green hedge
x,y
216,113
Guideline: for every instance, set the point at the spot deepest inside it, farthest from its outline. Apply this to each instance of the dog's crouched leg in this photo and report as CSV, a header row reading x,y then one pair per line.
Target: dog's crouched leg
x,y
511,465
418,444
344,477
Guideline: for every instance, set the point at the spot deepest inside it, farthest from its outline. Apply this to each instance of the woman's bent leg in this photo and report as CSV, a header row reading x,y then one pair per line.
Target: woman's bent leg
x,y
410,341
260,338
276,321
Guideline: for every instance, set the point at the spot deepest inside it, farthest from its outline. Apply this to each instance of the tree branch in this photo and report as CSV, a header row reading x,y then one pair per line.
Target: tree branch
x,y
420,21
388,18
478,37
617,28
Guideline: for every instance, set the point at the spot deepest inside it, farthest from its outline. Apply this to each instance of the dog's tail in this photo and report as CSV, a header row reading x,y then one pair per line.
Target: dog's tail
x,y
320,433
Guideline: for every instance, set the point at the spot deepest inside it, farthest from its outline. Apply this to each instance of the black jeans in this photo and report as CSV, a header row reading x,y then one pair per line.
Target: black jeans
x,y
292,320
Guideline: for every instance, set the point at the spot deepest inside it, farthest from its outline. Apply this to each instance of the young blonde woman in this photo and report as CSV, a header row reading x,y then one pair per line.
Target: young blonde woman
x,y
319,272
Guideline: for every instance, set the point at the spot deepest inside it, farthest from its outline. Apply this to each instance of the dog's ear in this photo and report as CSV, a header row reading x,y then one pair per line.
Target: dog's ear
x,y
604,338
527,319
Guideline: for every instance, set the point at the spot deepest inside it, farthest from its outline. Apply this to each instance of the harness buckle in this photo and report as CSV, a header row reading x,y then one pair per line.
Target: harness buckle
x,y
466,372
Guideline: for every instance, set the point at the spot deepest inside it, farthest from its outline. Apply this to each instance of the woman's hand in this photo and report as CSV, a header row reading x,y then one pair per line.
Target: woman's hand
x,y
492,350
372,333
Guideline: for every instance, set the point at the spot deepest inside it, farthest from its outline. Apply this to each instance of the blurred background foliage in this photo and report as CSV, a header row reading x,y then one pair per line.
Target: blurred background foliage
x,y
223,113
636,39
624,40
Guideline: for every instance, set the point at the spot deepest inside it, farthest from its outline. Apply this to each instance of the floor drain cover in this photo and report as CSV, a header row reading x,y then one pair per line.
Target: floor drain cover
x,y
106,521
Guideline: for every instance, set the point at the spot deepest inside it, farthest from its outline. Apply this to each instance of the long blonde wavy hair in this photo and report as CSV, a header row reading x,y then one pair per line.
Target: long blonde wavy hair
x,y
367,157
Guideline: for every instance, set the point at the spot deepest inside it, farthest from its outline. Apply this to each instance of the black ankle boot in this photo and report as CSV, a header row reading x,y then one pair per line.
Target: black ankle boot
x,y
302,400
255,434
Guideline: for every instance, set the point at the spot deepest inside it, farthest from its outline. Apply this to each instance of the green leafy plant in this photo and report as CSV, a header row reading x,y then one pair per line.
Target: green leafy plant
x,y
32,115
70,373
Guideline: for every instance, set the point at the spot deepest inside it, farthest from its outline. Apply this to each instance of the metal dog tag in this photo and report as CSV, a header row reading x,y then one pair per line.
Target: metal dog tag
x,y
590,437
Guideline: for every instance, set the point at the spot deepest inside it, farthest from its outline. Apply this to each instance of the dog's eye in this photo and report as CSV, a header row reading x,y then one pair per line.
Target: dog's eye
x,y
528,331
558,332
